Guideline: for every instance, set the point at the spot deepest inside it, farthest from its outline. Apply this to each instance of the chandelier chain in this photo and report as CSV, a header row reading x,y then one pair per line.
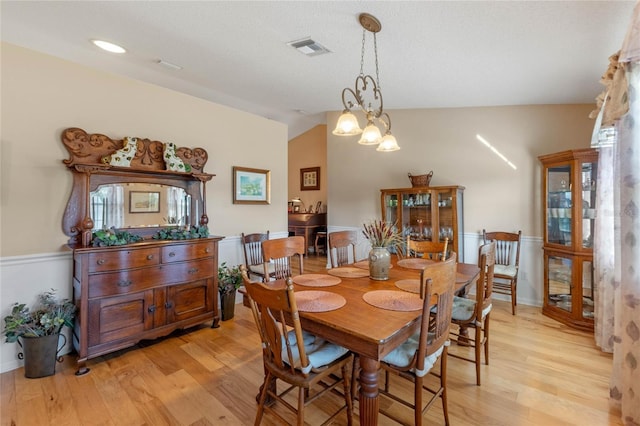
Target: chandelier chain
x,y
362,53
375,49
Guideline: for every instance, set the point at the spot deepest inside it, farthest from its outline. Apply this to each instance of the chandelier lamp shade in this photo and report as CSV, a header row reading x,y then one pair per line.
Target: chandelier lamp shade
x,y
367,96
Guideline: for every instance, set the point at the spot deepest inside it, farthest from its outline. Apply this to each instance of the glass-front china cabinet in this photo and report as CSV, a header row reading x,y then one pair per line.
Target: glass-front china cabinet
x,y
427,213
569,185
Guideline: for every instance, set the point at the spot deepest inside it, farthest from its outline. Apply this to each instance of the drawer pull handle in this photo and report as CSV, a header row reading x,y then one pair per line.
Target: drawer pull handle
x,y
124,283
101,261
152,309
168,305
207,250
172,254
149,257
193,270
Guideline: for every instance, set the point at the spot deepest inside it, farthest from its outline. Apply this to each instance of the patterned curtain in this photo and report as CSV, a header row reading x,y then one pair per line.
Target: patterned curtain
x,y
618,278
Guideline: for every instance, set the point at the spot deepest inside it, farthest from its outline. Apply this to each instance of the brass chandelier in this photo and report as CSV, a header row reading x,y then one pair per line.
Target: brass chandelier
x,y
366,86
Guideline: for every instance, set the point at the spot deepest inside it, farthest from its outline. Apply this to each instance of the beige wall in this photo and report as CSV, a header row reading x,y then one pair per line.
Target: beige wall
x,y
444,140
308,150
42,95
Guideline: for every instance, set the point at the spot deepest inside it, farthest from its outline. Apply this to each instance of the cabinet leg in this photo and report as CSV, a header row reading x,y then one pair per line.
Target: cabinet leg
x,y
216,322
82,368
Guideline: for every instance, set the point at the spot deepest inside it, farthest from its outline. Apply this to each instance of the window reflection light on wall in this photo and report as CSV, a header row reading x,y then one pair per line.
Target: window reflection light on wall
x,y
496,152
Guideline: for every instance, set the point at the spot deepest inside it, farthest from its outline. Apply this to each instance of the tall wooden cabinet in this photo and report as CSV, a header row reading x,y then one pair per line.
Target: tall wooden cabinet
x,y
569,201
147,289
427,213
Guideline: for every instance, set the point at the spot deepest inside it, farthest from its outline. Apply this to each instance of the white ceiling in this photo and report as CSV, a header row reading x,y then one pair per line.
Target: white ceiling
x,y
432,54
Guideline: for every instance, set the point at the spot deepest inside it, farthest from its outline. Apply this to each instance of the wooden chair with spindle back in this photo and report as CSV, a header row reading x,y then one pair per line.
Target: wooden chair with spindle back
x,y
298,358
277,255
507,263
252,248
474,314
416,357
341,244
427,249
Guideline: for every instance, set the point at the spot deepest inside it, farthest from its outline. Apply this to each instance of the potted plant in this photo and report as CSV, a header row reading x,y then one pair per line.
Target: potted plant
x,y
229,280
37,331
383,237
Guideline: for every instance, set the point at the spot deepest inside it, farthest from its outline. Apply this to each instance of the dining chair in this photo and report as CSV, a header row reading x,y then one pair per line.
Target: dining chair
x,y
341,244
252,248
417,356
474,314
427,249
277,256
292,355
507,263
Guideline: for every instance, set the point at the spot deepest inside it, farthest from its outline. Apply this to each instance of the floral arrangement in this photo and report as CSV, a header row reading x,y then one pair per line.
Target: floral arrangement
x,y
383,234
112,237
229,278
46,319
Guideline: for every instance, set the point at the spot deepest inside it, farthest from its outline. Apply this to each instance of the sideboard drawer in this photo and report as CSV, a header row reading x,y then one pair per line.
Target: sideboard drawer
x,y
123,259
181,272
125,281
179,253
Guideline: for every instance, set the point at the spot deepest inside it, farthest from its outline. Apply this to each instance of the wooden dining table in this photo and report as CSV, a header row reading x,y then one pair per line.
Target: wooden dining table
x,y
367,330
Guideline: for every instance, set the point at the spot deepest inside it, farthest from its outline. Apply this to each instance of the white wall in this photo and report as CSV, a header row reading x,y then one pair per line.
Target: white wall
x,y
496,197
42,95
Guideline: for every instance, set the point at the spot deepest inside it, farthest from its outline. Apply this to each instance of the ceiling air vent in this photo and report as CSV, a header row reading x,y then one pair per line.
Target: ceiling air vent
x,y
308,47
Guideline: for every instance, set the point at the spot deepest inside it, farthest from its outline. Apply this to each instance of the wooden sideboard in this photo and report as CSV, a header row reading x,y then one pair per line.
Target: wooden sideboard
x,y
306,225
147,289
141,291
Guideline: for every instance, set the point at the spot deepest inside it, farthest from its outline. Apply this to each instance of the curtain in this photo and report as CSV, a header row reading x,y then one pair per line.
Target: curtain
x,y
618,227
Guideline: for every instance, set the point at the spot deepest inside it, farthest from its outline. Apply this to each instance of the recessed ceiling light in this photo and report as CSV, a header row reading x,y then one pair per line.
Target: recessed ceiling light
x,y
109,47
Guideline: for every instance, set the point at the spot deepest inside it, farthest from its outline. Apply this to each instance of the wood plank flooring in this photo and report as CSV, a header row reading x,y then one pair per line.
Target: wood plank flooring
x,y
541,373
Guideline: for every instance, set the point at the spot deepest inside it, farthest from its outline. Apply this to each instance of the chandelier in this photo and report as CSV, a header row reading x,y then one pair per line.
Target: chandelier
x,y
367,95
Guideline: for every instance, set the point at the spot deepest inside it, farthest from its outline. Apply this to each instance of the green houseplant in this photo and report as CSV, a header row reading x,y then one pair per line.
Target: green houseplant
x,y
37,331
229,280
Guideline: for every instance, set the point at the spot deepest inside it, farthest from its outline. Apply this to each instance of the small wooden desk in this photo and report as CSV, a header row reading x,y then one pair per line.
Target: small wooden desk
x,y
369,331
306,225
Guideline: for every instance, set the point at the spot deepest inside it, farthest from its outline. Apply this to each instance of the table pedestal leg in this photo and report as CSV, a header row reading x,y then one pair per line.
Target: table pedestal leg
x,y
368,396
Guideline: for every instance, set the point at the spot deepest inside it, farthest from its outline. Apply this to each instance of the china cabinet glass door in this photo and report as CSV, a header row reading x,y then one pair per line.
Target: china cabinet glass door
x,y
559,202
560,282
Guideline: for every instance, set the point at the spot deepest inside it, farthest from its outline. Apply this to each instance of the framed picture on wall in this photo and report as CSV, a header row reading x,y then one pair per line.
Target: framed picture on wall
x,y
251,186
144,202
310,179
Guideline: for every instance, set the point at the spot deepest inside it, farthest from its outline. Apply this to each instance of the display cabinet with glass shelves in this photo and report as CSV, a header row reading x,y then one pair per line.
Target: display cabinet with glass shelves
x,y
569,185
427,213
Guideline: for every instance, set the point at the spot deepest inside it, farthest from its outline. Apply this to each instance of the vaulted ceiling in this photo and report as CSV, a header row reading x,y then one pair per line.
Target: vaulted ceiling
x,y
432,54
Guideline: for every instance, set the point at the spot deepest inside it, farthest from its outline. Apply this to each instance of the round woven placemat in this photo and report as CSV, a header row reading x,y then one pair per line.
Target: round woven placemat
x,y
392,300
318,301
414,263
410,285
348,272
316,280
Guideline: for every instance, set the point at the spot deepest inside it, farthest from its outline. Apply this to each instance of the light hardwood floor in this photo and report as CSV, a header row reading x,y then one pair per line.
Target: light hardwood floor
x,y
541,373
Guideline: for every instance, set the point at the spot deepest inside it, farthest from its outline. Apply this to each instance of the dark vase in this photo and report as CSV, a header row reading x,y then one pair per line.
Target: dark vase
x,y
228,305
40,355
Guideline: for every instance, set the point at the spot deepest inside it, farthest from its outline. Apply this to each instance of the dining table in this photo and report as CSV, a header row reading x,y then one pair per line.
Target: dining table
x,y
369,317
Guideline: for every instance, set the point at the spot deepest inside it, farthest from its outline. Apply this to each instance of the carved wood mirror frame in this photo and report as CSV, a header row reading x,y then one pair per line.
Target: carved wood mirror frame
x,y
87,152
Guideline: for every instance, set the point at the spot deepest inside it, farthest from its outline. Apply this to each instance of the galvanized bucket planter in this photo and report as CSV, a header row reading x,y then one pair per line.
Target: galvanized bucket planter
x,y
40,355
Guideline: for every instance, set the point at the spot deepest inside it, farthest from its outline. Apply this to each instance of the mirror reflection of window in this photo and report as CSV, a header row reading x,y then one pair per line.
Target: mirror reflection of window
x,y
109,207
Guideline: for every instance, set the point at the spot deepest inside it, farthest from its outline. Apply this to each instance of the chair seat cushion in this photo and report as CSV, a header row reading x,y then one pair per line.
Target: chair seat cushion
x,y
319,351
506,270
259,269
403,355
463,309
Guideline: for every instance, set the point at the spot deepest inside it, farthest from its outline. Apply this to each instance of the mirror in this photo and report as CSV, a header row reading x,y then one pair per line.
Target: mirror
x,y
140,205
